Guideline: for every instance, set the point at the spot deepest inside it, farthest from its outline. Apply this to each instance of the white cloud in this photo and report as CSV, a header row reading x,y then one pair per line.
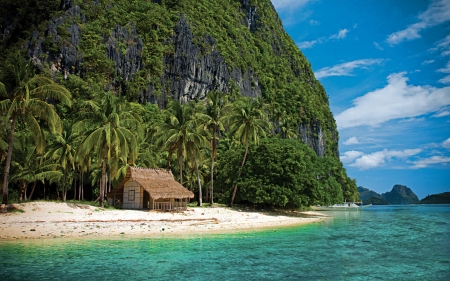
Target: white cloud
x,y
423,163
350,156
350,141
314,22
340,35
446,143
446,69
409,120
373,160
345,69
428,62
445,80
307,44
444,46
437,13
396,100
289,4
378,46
443,112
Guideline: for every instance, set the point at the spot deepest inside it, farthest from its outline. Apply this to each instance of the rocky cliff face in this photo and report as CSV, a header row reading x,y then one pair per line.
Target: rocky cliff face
x,y
190,73
195,66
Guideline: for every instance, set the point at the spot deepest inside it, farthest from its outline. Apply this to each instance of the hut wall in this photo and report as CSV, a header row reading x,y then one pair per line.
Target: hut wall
x,y
133,195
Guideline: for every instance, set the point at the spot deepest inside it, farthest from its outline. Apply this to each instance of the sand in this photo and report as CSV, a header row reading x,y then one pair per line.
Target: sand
x,y
38,220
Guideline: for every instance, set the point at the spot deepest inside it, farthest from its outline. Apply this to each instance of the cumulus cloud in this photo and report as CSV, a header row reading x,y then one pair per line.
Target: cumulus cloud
x,y
350,141
289,4
350,156
438,12
340,35
345,69
446,143
423,163
364,161
397,99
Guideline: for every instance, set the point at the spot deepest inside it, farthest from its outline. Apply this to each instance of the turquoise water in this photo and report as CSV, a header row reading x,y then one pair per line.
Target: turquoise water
x,y
379,243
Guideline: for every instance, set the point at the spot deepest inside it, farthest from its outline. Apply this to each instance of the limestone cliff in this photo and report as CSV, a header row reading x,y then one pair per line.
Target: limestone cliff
x,y
151,51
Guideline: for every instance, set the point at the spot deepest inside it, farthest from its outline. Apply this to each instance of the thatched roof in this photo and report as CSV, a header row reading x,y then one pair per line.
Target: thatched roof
x,y
158,182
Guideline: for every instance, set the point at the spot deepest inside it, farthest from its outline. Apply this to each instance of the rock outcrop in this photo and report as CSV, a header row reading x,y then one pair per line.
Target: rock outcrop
x,y
400,195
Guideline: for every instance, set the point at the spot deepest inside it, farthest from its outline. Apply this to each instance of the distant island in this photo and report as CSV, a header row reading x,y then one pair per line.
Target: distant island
x,y
441,198
399,195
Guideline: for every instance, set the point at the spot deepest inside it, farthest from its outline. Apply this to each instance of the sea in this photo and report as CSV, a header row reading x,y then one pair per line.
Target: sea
x,y
409,242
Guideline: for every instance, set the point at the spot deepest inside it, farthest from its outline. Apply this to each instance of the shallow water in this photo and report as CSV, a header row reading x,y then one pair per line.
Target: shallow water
x,y
379,243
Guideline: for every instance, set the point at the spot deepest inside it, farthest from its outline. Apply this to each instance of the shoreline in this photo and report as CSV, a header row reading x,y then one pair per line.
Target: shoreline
x,y
47,220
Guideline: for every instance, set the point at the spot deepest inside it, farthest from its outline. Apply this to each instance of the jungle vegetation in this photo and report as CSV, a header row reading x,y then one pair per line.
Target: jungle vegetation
x,y
73,135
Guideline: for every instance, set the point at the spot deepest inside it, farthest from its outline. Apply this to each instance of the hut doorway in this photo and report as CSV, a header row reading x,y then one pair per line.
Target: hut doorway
x,y
146,204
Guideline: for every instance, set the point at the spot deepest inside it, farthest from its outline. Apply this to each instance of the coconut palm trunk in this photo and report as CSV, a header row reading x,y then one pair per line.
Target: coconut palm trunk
x,y
64,193
32,190
214,148
103,184
239,174
200,202
8,160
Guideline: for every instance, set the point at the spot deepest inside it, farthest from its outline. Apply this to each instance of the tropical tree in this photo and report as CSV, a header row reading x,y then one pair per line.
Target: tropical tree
x,y
110,132
171,133
23,97
215,105
194,142
62,150
29,167
247,121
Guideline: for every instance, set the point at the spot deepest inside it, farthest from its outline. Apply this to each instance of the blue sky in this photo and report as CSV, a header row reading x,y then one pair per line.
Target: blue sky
x,y
385,65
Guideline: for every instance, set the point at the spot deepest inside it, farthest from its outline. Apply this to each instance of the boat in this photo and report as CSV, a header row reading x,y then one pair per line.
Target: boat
x,y
347,206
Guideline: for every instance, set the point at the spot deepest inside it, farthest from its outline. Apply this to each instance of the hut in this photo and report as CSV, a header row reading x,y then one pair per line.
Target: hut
x,y
153,189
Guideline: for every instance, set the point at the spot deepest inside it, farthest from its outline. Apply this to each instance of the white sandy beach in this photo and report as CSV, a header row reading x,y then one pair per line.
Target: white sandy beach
x,y
54,220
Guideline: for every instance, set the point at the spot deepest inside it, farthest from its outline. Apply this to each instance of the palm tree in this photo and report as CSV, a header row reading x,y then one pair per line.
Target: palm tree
x,y
247,121
29,167
62,150
23,95
215,105
171,133
194,142
110,134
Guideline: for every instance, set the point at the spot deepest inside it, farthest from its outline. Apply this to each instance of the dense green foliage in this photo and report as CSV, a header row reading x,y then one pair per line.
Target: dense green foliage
x,y
281,173
375,201
105,131
441,198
